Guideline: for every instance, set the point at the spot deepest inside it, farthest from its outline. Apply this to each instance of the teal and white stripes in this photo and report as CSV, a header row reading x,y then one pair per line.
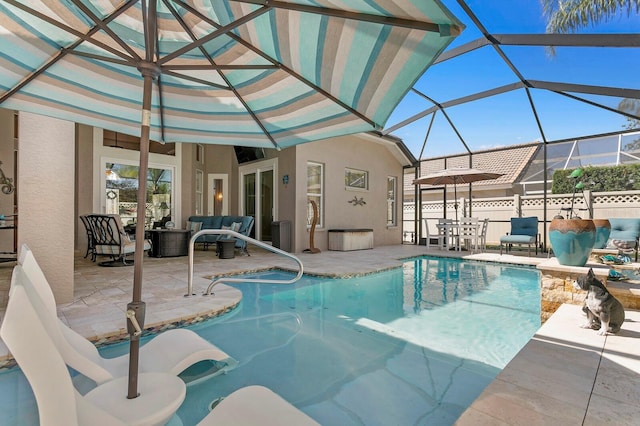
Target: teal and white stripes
x,y
306,62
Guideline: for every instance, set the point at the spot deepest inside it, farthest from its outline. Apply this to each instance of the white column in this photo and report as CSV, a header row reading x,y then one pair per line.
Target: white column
x,y
46,170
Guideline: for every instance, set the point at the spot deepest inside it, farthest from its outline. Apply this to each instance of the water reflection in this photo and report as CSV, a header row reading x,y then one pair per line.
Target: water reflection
x,y
439,281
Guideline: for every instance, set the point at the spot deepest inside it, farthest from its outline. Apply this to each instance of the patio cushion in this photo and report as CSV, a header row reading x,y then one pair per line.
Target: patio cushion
x,y
194,226
624,229
517,239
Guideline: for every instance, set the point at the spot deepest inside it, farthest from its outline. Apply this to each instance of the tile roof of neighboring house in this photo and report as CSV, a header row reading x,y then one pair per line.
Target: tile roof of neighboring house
x,y
511,162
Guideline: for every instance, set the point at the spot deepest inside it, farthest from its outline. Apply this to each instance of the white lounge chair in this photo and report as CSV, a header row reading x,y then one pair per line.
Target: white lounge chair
x,y
256,406
58,402
171,351
160,394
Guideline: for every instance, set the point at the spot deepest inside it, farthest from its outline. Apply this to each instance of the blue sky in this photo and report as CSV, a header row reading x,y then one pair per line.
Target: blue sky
x,y
507,119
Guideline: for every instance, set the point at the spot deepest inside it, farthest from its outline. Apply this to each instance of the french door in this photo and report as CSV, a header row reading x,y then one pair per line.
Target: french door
x,y
258,188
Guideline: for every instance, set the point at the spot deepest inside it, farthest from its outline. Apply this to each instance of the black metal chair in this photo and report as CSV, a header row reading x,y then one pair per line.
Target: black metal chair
x,y
110,239
91,245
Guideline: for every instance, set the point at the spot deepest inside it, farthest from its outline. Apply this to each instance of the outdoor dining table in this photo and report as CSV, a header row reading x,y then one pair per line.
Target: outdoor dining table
x,y
454,231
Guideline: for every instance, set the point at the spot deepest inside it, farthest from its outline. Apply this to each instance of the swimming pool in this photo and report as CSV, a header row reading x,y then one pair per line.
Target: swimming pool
x,y
414,345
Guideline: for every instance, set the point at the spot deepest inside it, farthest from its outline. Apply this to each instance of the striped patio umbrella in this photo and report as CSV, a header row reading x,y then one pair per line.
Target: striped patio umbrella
x,y
257,73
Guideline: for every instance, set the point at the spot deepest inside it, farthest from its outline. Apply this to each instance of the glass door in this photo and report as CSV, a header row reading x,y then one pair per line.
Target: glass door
x,y
259,194
249,202
266,204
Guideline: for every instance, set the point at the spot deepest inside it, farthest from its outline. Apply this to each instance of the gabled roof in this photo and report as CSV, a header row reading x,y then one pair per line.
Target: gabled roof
x,y
511,162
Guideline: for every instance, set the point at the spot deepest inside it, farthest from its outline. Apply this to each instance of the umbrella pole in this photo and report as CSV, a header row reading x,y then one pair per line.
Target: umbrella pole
x,y
455,198
136,308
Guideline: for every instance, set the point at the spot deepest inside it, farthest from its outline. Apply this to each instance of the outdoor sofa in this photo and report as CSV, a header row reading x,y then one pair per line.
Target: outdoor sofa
x,y
625,233
240,224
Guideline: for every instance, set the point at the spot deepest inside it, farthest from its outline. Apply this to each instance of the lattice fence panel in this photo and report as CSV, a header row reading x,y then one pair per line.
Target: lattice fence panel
x,y
501,209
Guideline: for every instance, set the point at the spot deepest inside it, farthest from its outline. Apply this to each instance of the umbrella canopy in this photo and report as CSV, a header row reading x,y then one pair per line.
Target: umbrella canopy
x,y
250,73
237,72
455,176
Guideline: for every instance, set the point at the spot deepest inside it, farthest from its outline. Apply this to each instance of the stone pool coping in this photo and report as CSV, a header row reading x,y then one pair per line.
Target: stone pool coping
x,y
566,375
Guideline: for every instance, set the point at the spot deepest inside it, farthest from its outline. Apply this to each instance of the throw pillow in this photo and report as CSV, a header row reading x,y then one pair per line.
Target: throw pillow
x,y
194,226
621,244
235,226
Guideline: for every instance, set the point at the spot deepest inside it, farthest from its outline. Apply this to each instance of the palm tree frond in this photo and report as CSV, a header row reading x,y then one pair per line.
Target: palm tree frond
x,y
566,16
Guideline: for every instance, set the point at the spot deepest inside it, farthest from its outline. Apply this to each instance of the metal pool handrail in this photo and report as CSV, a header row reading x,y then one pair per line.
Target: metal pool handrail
x,y
238,280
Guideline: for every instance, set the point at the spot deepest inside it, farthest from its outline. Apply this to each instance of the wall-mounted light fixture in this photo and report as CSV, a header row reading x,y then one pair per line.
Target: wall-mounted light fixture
x,y
285,179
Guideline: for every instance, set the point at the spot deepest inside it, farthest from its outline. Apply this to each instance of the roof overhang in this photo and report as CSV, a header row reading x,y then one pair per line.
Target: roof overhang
x,y
395,146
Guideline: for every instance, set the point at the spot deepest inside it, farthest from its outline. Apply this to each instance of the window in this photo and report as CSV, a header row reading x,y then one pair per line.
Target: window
x,y
315,179
391,201
199,153
121,190
356,179
199,195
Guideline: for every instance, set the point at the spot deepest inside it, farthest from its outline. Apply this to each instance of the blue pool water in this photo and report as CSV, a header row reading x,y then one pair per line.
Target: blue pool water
x,y
409,346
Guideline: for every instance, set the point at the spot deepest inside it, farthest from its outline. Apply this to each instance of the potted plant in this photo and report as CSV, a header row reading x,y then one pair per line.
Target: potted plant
x,y
572,239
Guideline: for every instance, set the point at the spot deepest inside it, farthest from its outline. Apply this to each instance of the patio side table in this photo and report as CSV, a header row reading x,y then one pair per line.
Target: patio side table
x,y
169,242
226,248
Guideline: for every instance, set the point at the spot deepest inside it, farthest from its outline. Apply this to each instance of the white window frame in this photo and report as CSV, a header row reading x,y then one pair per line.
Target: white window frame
x,y
200,153
212,177
258,168
392,206
199,207
348,183
127,162
103,154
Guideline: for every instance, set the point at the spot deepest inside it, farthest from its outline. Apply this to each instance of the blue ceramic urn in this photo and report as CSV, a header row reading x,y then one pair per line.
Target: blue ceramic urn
x,y
572,240
603,230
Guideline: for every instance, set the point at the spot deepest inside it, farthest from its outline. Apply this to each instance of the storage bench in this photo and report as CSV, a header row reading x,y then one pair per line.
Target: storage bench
x,y
350,239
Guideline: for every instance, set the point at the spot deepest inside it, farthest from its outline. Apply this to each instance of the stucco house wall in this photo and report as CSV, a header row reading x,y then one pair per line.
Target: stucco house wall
x,y
7,157
287,206
361,152
84,180
46,164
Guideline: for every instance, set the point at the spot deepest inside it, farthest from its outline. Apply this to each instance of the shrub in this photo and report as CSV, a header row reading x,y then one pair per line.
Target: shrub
x,y
599,179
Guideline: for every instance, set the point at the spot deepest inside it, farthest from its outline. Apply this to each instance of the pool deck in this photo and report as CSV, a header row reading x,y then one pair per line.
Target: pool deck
x,y
565,374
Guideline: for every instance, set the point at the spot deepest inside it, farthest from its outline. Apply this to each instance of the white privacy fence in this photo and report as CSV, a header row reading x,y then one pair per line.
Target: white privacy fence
x,y
500,210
